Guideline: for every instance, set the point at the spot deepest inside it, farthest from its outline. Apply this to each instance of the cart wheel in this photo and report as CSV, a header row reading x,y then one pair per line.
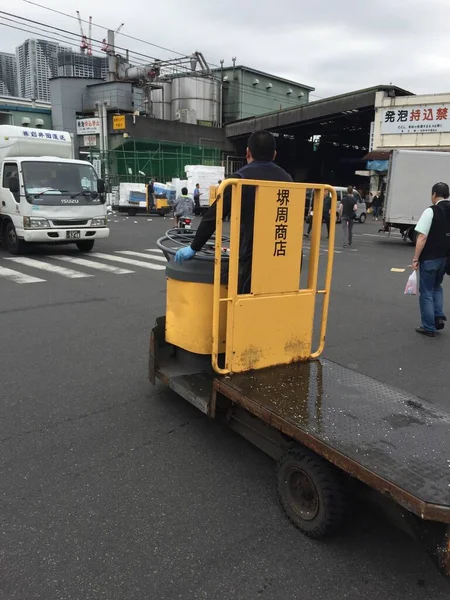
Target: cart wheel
x,y
311,493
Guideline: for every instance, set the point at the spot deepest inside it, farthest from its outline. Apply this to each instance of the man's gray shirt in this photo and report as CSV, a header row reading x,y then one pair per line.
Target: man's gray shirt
x,y
184,206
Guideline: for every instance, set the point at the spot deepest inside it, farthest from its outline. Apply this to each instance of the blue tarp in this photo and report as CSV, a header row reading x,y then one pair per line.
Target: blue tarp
x,y
377,165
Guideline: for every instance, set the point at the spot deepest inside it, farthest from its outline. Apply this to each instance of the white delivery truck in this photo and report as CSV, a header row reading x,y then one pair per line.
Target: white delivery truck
x,y
411,175
45,195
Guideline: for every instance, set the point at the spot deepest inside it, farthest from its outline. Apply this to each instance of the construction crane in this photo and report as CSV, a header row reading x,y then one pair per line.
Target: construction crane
x,y
84,45
90,37
105,46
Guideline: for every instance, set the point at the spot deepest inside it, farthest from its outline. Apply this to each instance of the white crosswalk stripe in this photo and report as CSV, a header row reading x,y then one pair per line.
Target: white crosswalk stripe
x,y
38,264
19,277
141,255
128,261
83,262
95,261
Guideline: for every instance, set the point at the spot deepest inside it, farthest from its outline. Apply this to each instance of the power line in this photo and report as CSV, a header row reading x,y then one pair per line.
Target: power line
x,y
42,6
102,27
62,37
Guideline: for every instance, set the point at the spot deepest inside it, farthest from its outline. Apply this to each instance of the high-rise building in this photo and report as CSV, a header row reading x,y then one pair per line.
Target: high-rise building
x,y
37,62
8,75
76,64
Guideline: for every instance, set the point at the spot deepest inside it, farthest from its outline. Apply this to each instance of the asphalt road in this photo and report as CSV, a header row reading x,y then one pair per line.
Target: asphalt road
x,y
111,489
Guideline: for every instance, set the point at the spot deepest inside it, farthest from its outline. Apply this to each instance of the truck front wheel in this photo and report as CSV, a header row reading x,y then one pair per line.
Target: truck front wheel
x,y
311,492
85,245
13,244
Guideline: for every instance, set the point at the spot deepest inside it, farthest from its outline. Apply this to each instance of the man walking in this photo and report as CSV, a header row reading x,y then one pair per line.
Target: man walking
x,y
347,209
197,194
151,195
430,257
325,214
376,206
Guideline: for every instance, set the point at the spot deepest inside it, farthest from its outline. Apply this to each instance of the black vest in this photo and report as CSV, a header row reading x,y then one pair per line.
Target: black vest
x,y
438,240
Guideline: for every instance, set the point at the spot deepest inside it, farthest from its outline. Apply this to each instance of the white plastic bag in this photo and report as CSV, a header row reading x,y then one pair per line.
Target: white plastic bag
x,y
411,284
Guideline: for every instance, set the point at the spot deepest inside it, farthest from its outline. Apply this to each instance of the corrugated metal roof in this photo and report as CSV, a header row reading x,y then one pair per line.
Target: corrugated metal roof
x,y
319,109
269,75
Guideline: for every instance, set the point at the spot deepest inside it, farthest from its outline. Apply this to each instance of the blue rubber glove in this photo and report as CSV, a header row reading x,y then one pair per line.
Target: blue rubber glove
x,y
184,254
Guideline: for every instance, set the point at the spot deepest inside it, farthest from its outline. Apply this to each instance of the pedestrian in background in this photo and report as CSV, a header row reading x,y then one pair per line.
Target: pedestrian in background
x,y
151,194
376,205
347,209
183,207
430,258
325,214
197,194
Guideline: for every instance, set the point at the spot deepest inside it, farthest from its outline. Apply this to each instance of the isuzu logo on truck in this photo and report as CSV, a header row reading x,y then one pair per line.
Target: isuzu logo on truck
x,y
69,201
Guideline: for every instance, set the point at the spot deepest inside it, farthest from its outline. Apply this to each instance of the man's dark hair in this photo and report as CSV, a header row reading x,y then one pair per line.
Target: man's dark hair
x,y
197,184
184,191
441,190
350,189
262,145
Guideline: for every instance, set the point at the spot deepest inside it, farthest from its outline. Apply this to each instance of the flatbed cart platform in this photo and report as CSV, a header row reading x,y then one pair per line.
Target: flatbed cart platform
x,y
396,443
331,429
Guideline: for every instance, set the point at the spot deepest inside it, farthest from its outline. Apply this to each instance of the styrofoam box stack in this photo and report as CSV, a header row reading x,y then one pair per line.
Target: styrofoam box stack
x,y
179,184
125,189
205,176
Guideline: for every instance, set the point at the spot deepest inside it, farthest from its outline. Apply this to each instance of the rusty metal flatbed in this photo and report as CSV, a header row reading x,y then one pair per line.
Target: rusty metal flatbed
x,y
387,438
396,443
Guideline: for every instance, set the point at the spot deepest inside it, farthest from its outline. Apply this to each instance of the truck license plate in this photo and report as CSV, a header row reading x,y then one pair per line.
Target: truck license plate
x,y
73,235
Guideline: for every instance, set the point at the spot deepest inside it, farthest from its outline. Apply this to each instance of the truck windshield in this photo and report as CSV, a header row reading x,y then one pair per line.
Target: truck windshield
x,y
57,178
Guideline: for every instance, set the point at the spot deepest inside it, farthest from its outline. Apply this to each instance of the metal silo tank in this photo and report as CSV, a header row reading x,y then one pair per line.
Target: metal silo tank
x,y
200,94
162,101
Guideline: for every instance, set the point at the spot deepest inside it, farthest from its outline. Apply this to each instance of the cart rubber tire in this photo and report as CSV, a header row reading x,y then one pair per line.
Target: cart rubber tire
x,y
13,244
85,245
132,212
320,509
362,218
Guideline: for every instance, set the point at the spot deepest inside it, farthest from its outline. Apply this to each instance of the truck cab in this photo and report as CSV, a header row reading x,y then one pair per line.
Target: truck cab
x,y
47,197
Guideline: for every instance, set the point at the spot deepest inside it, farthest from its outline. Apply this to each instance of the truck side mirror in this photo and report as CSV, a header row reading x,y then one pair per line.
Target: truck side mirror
x,y
100,186
14,185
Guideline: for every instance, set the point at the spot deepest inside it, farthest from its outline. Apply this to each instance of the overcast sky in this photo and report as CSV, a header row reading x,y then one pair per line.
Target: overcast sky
x,y
335,46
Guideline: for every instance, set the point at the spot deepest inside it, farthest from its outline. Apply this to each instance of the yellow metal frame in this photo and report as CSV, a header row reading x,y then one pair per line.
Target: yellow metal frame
x,y
212,193
276,300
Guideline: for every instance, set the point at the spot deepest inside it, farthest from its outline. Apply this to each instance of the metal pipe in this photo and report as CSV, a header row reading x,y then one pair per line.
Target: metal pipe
x,y
221,95
99,107
111,56
105,137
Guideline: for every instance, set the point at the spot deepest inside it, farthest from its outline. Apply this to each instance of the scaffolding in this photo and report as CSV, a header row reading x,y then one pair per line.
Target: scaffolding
x,y
139,160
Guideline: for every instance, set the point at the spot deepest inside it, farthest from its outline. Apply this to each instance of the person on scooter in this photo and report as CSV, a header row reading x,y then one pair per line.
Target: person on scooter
x,y
184,206
261,153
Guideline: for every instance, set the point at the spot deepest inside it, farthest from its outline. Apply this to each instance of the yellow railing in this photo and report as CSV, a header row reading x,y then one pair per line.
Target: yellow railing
x,y
273,323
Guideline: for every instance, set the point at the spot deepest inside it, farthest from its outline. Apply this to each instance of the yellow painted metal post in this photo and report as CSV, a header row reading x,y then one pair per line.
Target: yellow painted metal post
x,y
313,269
328,274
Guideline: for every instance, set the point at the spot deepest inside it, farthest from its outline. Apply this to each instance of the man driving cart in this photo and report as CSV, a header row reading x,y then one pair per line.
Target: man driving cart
x,y
260,155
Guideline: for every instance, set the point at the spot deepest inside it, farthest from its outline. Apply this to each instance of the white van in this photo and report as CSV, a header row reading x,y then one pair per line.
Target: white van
x,y
361,212
45,195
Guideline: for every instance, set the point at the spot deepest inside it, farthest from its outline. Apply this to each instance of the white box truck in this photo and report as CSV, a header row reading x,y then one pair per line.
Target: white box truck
x,y
411,175
45,195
